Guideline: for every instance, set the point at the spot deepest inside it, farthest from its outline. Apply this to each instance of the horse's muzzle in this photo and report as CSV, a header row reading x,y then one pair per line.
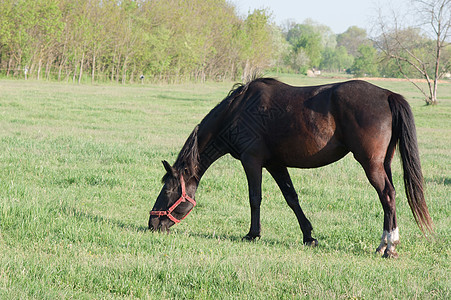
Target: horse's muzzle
x,y
161,224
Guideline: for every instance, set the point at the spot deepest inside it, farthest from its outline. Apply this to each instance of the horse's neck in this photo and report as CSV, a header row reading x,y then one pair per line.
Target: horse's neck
x,y
210,148
208,156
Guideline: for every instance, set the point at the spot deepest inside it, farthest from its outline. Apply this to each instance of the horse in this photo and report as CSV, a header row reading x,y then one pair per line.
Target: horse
x,y
269,124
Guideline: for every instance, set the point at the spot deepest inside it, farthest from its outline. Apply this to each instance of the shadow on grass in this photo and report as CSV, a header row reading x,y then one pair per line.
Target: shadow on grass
x,y
326,244
230,238
83,215
172,97
439,180
263,241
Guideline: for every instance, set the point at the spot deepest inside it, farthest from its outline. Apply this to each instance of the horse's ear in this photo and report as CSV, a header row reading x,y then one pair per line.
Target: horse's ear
x,y
169,169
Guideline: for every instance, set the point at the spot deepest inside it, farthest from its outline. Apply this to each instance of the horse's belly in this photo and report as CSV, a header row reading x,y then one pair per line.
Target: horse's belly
x,y
304,153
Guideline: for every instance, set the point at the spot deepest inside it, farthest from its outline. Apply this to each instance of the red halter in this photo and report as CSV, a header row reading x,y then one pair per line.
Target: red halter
x,y
183,198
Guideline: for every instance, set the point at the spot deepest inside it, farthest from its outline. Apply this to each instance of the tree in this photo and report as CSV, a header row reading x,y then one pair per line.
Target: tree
x,y
336,60
352,38
259,41
365,63
433,18
328,37
307,46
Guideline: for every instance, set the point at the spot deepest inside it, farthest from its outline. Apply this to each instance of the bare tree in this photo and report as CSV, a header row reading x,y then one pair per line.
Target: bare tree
x,y
420,47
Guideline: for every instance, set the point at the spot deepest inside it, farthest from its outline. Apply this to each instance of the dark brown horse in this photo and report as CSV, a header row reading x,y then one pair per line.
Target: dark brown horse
x,y
272,125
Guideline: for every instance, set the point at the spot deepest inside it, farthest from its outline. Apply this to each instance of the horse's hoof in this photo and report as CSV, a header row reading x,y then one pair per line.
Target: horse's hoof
x,y
250,238
311,243
390,254
381,250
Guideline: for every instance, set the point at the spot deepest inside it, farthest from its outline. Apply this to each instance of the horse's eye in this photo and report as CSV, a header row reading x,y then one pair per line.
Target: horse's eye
x,y
170,190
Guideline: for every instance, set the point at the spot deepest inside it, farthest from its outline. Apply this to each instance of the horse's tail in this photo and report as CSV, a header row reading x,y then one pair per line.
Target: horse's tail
x,y
404,131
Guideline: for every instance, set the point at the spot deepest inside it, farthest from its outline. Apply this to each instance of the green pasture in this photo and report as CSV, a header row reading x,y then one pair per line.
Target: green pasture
x,y
80,168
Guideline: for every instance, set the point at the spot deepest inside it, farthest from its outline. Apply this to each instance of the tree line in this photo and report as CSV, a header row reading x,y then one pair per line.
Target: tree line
x,y
172,40
121,40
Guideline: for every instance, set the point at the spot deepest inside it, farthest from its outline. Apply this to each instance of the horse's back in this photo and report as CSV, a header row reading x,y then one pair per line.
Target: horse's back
x,y
362,99
294,125
314,126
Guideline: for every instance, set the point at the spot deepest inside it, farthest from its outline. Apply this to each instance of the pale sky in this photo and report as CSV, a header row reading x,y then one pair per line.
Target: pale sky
x,y
339,15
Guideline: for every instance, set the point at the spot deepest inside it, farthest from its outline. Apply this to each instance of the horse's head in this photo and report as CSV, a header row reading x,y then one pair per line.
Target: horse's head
x,y
173,203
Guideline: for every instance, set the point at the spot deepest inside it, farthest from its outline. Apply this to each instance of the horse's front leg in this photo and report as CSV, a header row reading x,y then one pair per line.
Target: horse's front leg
x,y
253,169
283,180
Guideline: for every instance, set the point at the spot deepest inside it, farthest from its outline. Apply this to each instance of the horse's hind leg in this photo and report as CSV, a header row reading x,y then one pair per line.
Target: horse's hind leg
x,y
390,238
378,172
283,180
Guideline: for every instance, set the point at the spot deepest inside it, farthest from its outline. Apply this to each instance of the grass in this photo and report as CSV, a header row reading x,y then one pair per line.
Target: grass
x,y
80,168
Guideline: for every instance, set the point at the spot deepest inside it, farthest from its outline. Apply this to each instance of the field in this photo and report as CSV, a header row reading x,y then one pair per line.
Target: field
x,y
80,168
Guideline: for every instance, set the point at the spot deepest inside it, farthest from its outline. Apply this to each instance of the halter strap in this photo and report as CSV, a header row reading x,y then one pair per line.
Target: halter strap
x,y
183,198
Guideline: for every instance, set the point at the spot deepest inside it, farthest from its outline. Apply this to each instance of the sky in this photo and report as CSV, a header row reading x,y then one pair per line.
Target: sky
x,y
339,15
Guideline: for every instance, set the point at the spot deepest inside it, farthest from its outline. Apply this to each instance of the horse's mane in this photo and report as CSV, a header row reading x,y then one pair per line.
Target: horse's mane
x,y
187,161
